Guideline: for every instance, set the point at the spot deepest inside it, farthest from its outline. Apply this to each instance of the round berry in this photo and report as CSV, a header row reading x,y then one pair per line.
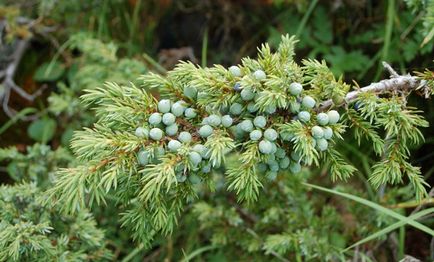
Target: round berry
x,y
265,147
159,152
154,119
142,132
206,168
168,119
328,132
317,132
194,158
181,178
252,107
236,109
185,137
156,134
262,167
190,92
322,119
308,102
271,109
247,94
271,175
214,120
178,109
194,179
273,148
205,131
270,134
284,162
333,116
273,165
201,149
172,130
280,153
246,125
322,144
190,113
227,120
260,121
143,157
259,75
235,71
295,156
237,87
174,145
295,89
304,116
255,135
164,106
295,168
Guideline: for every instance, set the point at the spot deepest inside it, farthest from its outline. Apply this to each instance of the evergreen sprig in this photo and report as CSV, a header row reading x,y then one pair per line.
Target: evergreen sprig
x,y
270,113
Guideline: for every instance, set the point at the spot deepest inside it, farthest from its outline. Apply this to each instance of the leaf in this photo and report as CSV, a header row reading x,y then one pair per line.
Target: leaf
x,y
42,130
49,72
377,207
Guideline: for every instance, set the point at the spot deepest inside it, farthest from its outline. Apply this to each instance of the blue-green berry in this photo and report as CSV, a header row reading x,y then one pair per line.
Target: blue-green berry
x,y
237,87
284,163
184,137
168,119
181,178
271,175
259,75
214,120
201,149
328,132
143,157
164,106
194,179
227,121
295,88
174,145
236,109
190,113
260,121
262,167
265,147
246,125
273,148
317,132
194,158
273,165
333,116
172,130
247,94
159,152
295,168
205,131
235,71
308,102
156,134
178,109
322,119
206,168
255,135
142,132
295,156
304,116
154,119
280,153
252,107
271,109
322,144
190,92
270,134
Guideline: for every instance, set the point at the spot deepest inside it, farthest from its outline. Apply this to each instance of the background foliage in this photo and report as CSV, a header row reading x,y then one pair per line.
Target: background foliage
x,y
90,42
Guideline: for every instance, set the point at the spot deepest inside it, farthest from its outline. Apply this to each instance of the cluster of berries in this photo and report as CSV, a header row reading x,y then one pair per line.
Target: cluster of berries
x,y
244,121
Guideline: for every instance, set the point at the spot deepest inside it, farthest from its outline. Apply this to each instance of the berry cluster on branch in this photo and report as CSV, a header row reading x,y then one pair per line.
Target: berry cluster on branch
x,y
268,114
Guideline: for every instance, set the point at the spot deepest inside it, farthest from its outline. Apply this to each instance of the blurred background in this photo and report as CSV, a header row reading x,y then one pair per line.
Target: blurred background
x,y
50,51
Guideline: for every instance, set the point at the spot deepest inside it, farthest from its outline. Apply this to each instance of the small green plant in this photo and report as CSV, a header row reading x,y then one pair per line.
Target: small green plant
x,y
152,154
32,231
